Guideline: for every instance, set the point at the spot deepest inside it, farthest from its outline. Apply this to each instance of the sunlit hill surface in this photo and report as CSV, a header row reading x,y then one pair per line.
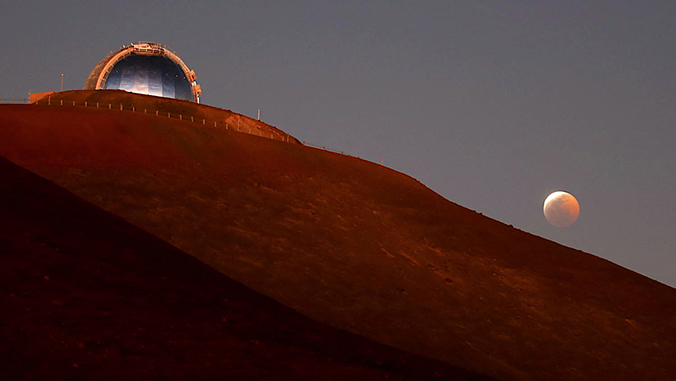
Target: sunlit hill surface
x,y
347,243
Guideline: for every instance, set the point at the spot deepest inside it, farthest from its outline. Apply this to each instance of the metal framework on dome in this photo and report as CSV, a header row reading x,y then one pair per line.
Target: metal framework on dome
x,y
99,76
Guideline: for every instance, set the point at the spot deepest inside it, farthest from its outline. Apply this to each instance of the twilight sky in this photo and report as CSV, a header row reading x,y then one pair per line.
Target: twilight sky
x,y
492,104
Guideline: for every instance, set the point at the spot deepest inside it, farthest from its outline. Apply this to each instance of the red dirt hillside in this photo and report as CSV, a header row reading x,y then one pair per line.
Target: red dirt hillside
x,y
165,107
86,295
357,245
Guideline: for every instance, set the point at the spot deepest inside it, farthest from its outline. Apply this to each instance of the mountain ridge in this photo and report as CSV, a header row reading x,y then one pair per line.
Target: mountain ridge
x,y
358,246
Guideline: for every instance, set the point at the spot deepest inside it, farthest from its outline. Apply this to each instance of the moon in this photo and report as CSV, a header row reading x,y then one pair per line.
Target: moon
x,y
561,209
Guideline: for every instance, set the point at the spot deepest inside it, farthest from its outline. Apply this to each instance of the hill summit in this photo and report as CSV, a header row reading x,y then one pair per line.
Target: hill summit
x,y
356,245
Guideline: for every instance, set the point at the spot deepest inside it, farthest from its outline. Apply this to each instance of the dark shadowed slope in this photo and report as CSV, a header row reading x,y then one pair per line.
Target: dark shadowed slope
x,y
358,246
85,294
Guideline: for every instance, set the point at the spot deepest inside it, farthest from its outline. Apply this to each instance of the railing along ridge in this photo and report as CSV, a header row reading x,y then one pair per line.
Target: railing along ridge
x,y
188,118
242,129
14,100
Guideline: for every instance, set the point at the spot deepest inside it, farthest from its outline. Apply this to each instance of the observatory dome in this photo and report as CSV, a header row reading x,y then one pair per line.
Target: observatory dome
x,y
145,68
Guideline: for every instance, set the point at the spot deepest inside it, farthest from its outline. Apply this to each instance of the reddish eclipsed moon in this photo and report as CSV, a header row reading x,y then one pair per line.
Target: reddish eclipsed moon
x,y
561,209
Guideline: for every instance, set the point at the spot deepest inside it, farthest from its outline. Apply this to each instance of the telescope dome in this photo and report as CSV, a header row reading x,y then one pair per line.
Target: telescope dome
x,y
145,68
